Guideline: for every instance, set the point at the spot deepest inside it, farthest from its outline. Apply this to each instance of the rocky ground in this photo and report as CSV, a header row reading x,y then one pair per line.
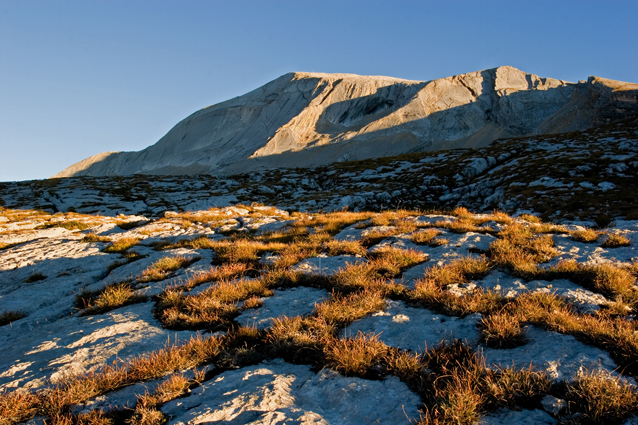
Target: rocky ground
x,y
251,315
587,176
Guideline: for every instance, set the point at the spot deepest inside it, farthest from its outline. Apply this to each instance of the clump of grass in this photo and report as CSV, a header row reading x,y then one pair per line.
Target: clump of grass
x,y
242,250
128,225
8,317
615,240
501,217
343,310
253,302
501,330
300,338
603,399
111,297
374,236
35,277
92,237
121,244
163,268
463,225
355,356
211,309
585,235
147,407
614,334
355,277
294,253
68,225
224,272
520,249
334,247
462,212
201,242
403,258
606,278
530,218
428,237
17,406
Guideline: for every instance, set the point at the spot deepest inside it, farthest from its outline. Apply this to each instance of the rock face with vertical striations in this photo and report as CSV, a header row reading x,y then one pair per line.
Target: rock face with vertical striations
x,y
310,119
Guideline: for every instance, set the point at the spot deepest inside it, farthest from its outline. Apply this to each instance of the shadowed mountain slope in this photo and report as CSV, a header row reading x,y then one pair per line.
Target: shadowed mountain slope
x,y
312,119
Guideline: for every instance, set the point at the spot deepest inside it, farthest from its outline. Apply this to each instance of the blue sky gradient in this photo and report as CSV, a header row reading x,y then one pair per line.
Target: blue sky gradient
x,y
82,77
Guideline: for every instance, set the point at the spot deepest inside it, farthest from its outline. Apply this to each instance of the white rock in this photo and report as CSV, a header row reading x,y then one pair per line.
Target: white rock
x,y
278,392
326,266
414,328
522,417
562,357
289,302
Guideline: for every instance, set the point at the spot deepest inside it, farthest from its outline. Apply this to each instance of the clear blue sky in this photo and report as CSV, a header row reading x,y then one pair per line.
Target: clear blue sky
x,y
82,77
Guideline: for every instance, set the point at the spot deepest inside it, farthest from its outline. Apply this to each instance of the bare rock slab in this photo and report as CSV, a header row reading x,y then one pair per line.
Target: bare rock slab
x,y
414,329
277,392
290,302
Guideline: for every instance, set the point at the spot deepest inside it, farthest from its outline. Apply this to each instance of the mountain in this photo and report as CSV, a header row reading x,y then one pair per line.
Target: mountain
x,y
312,119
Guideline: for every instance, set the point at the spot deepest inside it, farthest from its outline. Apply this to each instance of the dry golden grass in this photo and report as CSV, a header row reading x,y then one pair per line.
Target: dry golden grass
x,y
146,409
614,334
92,237
374,236
201,242
452,379
17,406
395,258
501,330
355,356
606,278
109,298
253,302
332,223
294,253
602,398
300,338
464,224
223,272
428,237
615,240
121,244
55,402
501,217
334,248
355,277
243,250
162,268
213,308
530,218
343,310
520,250
585,235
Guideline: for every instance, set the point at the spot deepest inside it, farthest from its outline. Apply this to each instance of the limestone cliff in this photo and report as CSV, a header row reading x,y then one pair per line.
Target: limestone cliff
x,y
308,119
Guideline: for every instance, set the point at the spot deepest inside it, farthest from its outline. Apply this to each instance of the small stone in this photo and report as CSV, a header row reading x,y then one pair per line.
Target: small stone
x,y
553,405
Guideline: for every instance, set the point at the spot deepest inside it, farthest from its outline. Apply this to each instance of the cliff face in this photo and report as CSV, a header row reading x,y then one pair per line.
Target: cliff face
x,y
308,119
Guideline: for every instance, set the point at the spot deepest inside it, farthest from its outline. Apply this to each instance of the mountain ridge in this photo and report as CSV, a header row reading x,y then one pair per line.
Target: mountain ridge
x,y
312,119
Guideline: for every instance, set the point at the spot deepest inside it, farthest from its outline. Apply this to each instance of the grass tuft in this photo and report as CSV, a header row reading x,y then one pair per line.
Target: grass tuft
x,y
35,277
8,317
121,244
615,240
162,268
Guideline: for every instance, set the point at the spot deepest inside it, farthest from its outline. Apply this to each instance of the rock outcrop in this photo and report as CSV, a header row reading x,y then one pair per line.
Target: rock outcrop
x,y
310,119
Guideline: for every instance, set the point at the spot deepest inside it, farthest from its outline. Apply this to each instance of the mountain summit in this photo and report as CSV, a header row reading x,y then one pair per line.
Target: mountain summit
x,y
310,119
